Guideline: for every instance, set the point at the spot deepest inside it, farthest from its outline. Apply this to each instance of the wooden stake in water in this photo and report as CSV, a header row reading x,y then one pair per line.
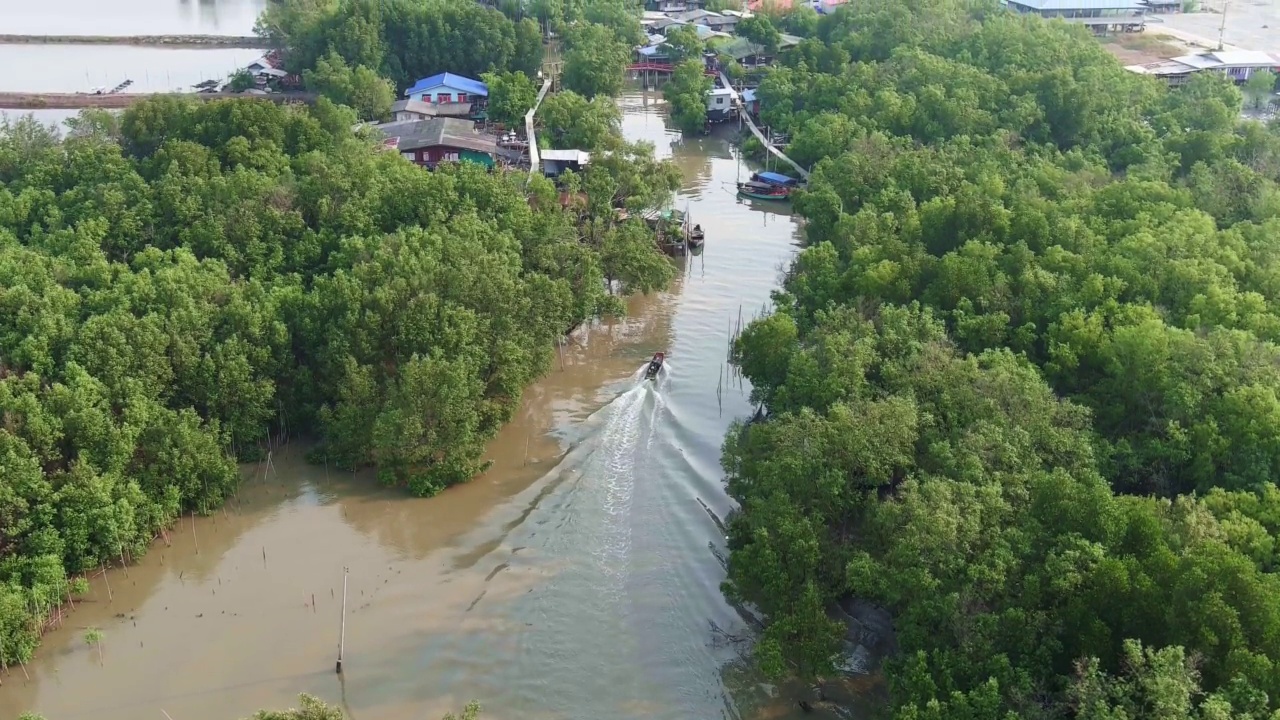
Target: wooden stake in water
x,y
342,635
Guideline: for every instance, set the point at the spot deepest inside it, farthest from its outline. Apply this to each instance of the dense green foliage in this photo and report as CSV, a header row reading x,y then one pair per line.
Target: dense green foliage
x,y
1022,384
760,30
683,43
569,120
1260,88
686,93
595,60
181,285
511,95
359,87
403,40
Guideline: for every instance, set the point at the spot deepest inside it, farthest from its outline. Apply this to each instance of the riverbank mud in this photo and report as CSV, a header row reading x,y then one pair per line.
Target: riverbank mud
x,y
169,41
115,101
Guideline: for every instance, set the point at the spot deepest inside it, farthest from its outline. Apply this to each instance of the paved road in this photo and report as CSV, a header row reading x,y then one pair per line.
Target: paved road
x,y
1251,25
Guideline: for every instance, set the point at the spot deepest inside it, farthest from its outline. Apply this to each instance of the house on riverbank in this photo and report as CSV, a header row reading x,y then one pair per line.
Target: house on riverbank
x,y
406,110
446,88
433,141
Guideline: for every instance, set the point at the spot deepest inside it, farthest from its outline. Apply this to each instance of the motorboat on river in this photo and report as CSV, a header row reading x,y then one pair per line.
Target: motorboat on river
x,y
655,366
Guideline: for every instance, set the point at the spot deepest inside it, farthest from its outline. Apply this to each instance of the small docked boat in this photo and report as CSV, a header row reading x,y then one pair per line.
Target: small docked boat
x,y
776,179
697,237
655,366
764,191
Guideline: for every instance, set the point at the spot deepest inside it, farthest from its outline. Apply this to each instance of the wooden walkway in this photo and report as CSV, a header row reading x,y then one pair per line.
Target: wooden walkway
x,y
751,123
535,163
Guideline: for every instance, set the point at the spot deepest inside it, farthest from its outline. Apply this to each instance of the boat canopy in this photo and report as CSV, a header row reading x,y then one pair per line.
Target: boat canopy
x,y
774,178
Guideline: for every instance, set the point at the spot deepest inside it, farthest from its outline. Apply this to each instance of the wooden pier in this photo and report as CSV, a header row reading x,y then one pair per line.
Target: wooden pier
x,y
751,123
535,162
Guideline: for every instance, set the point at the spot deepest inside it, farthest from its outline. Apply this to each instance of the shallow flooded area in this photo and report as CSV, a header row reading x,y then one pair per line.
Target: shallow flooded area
x,y
578,578
85,68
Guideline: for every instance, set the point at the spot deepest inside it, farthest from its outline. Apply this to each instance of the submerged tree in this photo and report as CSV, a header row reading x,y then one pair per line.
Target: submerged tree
x,y
93,637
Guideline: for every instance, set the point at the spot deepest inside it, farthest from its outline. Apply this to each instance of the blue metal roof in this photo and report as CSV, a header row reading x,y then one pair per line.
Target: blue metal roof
x,y
775,178
749,95
451,81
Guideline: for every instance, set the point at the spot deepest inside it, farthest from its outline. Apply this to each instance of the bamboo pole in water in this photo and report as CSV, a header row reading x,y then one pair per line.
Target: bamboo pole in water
x,y
342,635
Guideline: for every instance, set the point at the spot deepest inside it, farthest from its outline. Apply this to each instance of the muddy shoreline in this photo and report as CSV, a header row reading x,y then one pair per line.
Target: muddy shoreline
x,y
77,101
169,41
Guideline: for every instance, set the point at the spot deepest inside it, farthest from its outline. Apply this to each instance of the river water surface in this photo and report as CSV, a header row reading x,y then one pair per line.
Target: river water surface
x,y
85,68
129,17
578,578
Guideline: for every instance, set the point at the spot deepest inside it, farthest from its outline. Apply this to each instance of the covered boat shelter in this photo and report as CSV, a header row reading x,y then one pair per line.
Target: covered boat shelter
x,y
773,178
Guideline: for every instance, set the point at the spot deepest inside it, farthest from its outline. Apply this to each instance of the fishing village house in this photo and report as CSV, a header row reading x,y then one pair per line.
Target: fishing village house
x,y
707,18
267,73
435,140
1239,65
720,104
556,162
751,55
672,6
446,89
1100,16
405,110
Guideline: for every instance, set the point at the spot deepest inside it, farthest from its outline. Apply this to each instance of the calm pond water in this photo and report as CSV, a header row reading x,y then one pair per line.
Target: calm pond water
x,y
129,17
82,68
577,579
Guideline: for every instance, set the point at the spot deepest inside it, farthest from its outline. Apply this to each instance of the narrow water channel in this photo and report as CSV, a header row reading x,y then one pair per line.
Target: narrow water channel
x,y
578,578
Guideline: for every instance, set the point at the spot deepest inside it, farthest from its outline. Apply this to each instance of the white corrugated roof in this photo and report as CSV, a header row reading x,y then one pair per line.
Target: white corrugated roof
x,y
575,156
1228,58
1059,5
1245,57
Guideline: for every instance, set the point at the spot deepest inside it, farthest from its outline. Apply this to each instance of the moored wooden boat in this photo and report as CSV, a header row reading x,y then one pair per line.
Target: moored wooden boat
x,y
776,179
763,191
697,236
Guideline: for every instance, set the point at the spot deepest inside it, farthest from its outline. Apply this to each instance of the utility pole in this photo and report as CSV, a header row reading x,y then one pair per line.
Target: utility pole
x,y
1222,28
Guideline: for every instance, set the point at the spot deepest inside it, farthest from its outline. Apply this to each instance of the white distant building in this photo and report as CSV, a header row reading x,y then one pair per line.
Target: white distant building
x,y
720,102
1238,65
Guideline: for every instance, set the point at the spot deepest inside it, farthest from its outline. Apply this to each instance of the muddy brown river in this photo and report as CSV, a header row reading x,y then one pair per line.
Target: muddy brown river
x,y
578,578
